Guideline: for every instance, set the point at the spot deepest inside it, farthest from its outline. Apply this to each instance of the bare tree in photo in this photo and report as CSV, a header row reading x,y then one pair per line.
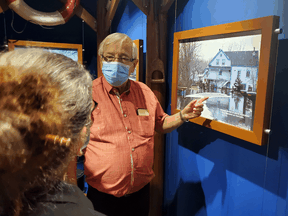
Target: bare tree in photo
x,y
190,66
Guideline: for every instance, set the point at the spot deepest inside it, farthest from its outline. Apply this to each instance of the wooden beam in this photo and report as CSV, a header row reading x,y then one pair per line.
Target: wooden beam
x,y
141,6
155,71
111,10
84,15
166,4
3,6
101,29
156,61
87,17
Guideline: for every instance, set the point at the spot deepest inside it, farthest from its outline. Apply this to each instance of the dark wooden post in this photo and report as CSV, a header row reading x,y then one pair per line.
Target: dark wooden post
x,y
156,61
102,30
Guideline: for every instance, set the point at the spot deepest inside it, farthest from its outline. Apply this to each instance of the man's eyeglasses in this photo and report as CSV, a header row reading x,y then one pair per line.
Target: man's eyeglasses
x,y
113,58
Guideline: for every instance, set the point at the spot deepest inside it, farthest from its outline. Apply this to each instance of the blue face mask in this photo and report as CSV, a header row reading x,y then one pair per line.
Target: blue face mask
x,y
116,73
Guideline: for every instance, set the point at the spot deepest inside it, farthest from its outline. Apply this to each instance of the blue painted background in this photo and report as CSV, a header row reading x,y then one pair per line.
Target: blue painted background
x,y
210,173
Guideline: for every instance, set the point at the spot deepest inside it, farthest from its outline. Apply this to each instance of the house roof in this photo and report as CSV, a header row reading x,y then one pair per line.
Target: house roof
x,y
243,58
220,51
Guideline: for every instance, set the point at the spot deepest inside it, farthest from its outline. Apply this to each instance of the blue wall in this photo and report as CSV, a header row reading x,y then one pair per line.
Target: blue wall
x,y
207,172
210,173
130,20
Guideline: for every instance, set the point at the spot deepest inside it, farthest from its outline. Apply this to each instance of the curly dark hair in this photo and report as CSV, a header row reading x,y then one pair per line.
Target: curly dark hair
x,y
40,93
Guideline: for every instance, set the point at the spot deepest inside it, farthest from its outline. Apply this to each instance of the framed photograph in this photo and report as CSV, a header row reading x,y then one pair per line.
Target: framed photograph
x,y
234,65
137,75
73,51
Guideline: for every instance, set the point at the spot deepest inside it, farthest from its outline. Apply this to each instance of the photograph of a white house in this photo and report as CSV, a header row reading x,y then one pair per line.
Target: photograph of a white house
x,y
225,70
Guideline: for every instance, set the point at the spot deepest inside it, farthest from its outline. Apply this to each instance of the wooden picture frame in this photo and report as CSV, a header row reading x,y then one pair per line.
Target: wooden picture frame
x,y
138,73
251,78
73,51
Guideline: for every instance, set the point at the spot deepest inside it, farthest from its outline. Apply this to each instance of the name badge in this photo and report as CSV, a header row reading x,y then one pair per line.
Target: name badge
x,y
142,112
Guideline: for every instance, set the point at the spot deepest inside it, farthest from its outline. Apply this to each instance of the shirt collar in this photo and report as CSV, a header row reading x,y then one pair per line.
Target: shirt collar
x,y
110,88
106,85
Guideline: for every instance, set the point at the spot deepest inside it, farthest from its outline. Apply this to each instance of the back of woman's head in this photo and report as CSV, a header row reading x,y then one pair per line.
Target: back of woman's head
x,y
42,94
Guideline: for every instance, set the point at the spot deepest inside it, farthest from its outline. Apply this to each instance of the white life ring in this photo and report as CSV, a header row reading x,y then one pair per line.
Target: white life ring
x,y
58,17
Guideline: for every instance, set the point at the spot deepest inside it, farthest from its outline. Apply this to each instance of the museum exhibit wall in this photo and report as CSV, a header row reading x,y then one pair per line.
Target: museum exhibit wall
x,y
74,31
210,173
207,172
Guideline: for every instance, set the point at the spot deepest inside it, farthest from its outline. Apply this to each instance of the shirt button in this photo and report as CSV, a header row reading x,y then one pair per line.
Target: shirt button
x,y
133,149
125,115
129,132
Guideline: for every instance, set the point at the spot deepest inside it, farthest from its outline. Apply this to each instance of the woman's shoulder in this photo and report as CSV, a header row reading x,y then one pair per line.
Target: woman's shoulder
x,y
70,200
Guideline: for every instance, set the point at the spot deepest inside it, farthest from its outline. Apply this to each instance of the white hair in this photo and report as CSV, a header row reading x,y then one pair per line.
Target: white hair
x,y
74,81
112,38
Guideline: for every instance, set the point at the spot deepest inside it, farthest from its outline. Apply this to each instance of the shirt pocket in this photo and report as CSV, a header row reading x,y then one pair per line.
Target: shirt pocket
x,y
145,126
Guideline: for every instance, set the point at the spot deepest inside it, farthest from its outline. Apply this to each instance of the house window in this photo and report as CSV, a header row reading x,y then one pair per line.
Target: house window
x,y
220,55
223,61
248,73
217,61
220,72
238,73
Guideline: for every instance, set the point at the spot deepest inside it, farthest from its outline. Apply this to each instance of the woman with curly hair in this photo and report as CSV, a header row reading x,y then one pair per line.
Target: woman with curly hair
x,y
45,104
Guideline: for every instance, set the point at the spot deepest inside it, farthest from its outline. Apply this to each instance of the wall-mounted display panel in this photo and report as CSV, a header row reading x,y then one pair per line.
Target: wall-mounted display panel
x,y
73,51
234,65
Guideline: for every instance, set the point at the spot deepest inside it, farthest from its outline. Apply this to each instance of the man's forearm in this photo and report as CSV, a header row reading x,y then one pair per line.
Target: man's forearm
x,y
171,123
190,111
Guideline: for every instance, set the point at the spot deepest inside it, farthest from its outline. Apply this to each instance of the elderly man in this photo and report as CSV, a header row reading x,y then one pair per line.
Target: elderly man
x,y
119,156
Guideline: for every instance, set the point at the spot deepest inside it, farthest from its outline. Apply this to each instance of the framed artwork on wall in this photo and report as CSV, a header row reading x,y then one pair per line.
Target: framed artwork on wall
x,y
234,65
73,51
137,75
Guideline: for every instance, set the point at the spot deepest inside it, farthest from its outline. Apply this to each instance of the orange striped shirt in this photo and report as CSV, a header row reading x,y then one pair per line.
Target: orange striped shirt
x,y
120,153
